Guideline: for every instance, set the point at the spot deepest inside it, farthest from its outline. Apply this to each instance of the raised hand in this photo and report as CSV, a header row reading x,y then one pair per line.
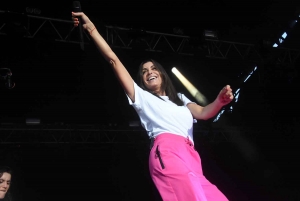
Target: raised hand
x,y
86,22
225,96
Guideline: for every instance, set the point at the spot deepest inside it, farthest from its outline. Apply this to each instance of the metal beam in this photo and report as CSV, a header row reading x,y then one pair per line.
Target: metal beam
x,y
96,134
287,57
126,38
37,27
84,134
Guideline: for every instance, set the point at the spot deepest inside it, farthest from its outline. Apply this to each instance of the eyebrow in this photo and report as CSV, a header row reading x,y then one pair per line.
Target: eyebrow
x,y
147,68
4,180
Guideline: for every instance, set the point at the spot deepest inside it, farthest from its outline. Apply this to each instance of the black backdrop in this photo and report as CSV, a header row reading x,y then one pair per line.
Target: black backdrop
x,y
57,82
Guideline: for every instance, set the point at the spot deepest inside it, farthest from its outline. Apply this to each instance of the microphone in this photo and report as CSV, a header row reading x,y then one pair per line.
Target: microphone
x,y
77,8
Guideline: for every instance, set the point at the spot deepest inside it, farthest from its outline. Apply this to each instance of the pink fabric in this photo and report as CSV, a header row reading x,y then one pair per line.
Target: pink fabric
x,y
182,178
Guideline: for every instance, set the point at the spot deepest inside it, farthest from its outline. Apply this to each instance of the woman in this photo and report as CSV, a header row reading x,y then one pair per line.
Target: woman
x,y
174,164
5,180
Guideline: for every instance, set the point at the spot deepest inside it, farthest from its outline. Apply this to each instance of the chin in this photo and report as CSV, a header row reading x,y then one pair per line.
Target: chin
x,y
2,195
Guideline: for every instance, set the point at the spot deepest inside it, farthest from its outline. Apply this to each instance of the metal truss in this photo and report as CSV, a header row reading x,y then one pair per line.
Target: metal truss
x,y
37,27
286,57
84,134
150,41
169,43
95,134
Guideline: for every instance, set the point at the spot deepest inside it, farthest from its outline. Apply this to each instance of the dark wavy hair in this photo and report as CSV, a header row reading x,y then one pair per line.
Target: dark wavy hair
x,y
166,85
6,169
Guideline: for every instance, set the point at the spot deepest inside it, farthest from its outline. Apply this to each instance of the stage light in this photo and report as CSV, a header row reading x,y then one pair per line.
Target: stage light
x,y
284,35
32,10
37,11
178,31
190,87
134,124
29,10
250,74
33,121
210,34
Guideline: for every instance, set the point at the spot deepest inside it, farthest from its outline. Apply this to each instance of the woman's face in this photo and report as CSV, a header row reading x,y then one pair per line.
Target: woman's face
x,y
152,77
4,184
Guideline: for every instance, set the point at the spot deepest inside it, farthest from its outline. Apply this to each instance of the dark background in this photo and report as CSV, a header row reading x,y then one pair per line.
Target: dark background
x,y
63,85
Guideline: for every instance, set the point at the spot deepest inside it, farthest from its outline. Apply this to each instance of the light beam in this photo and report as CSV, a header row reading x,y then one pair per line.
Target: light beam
x,y
190,87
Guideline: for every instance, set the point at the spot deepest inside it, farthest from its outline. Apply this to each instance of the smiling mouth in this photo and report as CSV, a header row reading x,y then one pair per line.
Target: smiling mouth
x,y
151,78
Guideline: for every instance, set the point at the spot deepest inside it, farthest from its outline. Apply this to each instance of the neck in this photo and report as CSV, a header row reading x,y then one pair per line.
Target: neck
x,y
160,93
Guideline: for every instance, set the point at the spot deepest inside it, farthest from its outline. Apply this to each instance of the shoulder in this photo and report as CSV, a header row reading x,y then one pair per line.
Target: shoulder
x,y
181,96
184,99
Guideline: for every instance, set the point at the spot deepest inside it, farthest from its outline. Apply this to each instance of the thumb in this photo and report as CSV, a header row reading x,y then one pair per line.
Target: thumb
x,y
224,90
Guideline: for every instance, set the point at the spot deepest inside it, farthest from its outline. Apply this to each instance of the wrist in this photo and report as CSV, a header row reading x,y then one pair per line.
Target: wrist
x,y
218,103
90,27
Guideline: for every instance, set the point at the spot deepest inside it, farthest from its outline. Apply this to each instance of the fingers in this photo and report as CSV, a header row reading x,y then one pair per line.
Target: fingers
x,y
77,14
76,21
228,88
80,15
228,91
225,90
226,94
75,18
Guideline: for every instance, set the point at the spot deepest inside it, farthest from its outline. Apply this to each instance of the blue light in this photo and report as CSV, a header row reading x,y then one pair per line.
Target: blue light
x,y
219,115
247,77
237,97
284,35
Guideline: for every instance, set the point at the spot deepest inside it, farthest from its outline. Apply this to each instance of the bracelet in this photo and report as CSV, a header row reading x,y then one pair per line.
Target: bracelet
x,y
92,30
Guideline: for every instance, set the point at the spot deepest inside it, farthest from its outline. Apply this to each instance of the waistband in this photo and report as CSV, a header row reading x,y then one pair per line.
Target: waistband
x,y
171,138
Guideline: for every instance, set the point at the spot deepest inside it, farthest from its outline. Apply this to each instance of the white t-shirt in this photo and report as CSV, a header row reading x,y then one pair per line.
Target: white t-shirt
x,y
158,116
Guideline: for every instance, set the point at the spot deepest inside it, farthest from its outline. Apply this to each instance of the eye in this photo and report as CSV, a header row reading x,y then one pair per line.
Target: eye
x,y
144,71
1,181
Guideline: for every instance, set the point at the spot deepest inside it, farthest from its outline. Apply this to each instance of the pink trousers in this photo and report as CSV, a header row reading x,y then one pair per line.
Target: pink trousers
x,y
176,170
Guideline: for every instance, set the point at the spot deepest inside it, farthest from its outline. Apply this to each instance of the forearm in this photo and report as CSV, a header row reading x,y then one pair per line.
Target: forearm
x,y
211,110
121,72
225,96
101,44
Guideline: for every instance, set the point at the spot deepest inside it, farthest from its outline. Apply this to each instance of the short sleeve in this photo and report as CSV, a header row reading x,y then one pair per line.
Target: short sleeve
x,y
184,99
138,94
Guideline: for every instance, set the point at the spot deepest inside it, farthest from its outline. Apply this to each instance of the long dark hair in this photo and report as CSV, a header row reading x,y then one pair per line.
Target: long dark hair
x,y
166,85
8,170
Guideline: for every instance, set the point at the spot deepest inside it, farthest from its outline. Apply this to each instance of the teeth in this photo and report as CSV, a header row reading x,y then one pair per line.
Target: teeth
x,y
151,78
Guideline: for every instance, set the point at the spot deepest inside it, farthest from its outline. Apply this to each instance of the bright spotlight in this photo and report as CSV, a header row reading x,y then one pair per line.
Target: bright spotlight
x,y
191,88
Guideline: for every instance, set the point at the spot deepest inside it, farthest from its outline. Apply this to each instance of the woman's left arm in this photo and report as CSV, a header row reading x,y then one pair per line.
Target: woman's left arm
x,y
203,113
